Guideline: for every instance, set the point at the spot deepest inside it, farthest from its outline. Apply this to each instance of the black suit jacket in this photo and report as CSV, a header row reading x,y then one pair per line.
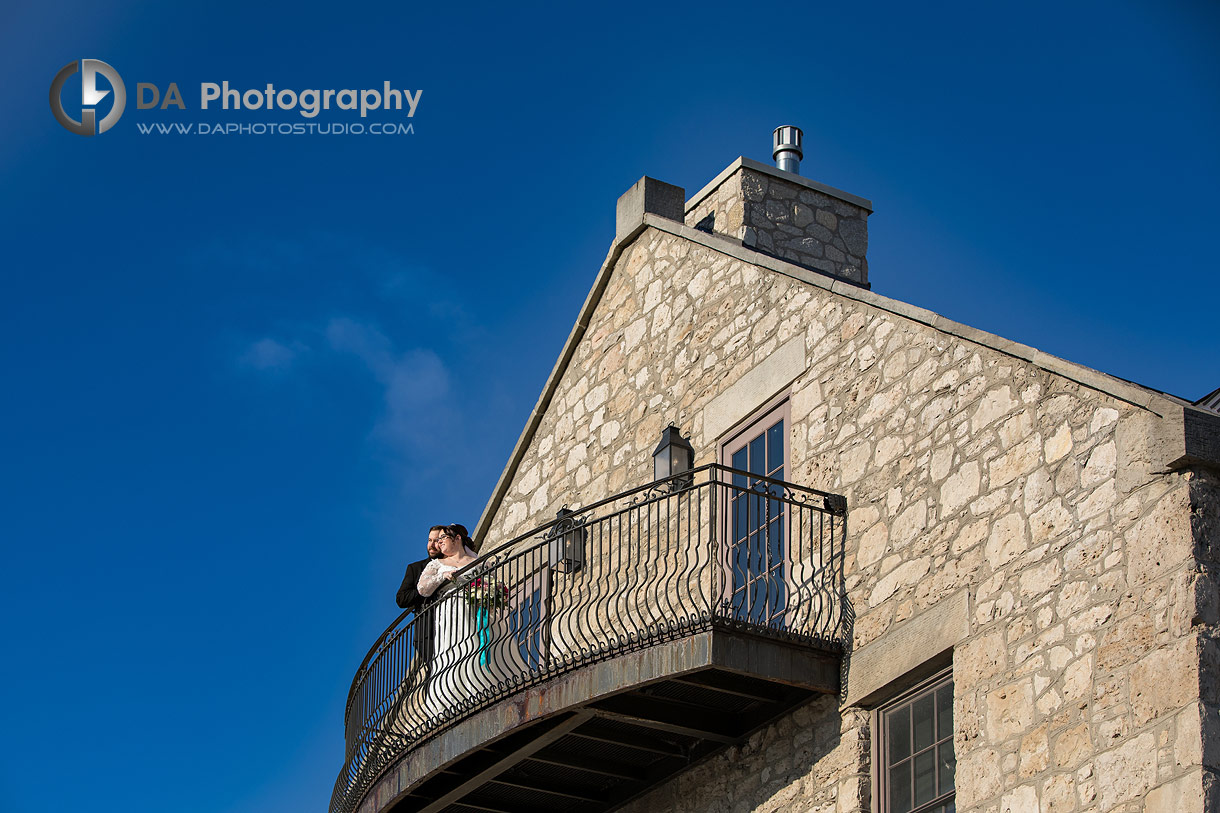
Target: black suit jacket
x,y
408,592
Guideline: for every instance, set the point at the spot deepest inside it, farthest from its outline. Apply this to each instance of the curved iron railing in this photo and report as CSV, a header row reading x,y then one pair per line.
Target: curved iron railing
x,y
713,547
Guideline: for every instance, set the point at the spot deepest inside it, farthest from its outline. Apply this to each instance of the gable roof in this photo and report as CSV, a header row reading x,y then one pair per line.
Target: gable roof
x,y
1146,398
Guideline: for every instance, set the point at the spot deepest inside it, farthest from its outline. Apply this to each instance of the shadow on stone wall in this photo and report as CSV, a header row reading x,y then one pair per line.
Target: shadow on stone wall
x,y
848,637
803,761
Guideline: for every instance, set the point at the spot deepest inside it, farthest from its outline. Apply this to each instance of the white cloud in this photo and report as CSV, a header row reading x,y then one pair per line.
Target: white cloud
x,y
419,411
269,354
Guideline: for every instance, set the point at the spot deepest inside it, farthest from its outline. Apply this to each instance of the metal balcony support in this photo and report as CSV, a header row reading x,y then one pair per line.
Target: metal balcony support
x,y
554,734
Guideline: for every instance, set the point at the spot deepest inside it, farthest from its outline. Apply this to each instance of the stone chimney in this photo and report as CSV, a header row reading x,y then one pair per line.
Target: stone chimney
x,y
787,216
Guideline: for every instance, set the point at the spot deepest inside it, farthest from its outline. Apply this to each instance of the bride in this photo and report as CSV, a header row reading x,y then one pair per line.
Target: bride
x,y
454,669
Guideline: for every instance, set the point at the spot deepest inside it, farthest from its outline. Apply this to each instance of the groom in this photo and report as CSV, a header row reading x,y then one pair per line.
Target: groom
x,y
408,593
408,598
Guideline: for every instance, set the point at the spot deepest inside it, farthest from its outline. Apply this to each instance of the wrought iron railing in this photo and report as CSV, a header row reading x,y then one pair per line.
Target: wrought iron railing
x,y
713,547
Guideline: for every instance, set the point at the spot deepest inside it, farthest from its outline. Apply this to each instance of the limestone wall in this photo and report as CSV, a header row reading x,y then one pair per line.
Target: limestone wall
x,y
813,761
1077,687
787,220
1205,587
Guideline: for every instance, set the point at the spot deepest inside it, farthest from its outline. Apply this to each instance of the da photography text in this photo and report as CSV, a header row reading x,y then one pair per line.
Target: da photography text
x,y
88,97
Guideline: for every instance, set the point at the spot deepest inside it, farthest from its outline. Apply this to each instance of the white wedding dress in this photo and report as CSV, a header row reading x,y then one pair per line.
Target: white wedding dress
x,y
455,673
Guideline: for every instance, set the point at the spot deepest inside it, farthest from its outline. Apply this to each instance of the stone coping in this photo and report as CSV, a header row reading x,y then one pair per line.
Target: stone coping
x,y
1160,404
775,172
902,653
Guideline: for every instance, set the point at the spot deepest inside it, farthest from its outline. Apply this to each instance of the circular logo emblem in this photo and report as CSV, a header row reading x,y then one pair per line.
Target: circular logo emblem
x,y
89,97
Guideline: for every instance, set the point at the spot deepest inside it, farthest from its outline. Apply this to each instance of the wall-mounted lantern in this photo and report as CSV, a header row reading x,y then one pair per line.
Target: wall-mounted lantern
x,y
567,542
673,455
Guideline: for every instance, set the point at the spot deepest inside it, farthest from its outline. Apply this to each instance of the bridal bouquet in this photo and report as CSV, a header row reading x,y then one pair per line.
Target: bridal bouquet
x,y
485,593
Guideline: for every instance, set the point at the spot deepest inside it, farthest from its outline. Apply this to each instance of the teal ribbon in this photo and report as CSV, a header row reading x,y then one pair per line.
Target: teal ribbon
x,y
482,622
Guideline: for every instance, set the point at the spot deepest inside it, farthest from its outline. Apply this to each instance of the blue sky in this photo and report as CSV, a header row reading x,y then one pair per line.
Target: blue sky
x,y
243,374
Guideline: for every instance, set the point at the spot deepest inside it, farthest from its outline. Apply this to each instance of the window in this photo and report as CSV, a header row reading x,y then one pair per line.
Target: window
x,y
525,621
915,751
757,551
529,610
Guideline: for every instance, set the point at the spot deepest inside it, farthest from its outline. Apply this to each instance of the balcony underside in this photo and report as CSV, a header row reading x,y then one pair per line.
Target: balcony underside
x,y
594,738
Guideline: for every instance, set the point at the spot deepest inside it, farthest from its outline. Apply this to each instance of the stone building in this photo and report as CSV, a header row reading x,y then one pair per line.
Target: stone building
x,y
1024,588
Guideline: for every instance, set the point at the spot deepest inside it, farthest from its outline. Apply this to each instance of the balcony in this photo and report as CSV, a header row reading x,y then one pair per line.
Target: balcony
x,y
583,663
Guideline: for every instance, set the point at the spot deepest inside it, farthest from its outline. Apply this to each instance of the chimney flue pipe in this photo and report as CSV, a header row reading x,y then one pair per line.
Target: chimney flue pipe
x,y
787,152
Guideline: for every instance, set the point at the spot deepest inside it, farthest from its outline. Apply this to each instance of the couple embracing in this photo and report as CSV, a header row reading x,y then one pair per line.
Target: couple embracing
x,y
447,643
449,550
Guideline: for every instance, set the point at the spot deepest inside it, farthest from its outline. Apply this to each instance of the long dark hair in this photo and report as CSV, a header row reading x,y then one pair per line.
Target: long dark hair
x,y
461,533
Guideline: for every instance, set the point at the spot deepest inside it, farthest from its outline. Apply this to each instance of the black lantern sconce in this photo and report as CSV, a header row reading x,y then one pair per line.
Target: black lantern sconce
x,y
566,542
673,455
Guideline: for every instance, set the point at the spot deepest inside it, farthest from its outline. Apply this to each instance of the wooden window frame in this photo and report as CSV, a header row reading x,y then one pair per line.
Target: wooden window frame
x,y
880,745
760,421
742,428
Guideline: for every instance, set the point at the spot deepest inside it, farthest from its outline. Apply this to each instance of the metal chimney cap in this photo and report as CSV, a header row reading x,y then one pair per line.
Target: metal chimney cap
x,y
787,150
788,137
